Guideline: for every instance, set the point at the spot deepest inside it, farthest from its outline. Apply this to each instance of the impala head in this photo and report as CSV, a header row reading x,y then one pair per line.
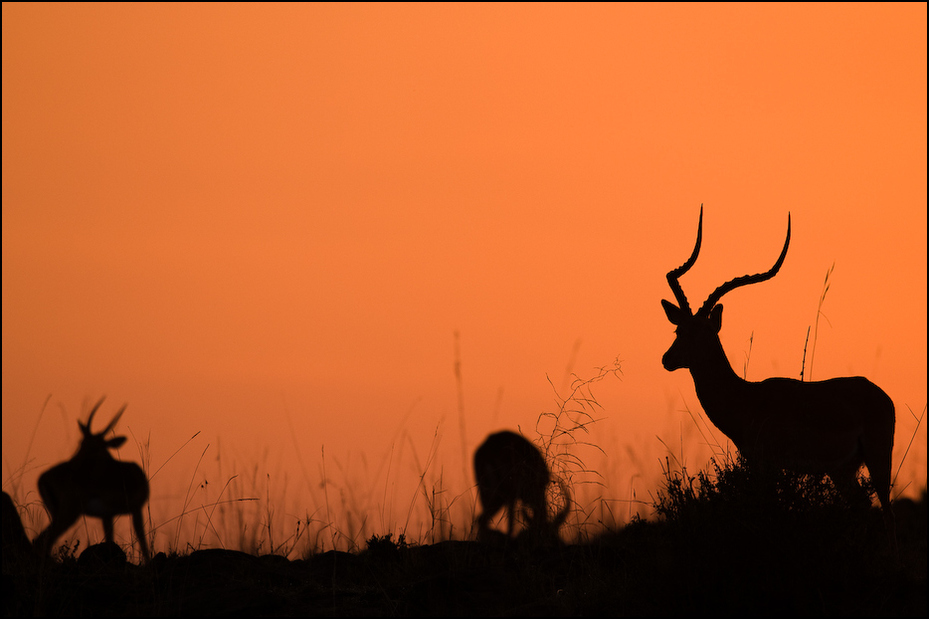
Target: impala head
x,y
697,333
95,445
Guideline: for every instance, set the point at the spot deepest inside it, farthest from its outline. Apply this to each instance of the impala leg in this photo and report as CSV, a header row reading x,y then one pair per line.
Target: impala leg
x,y
540,510
60,523
489,509
846,483
107,528
880,479
139,525
511,517
482,523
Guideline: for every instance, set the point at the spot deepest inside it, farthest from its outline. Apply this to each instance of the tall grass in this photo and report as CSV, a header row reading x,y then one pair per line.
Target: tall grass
x,y
251,506
562,441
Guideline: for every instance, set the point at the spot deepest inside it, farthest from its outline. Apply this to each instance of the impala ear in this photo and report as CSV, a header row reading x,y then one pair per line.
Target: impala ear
x,y
716,318
116,443
673,312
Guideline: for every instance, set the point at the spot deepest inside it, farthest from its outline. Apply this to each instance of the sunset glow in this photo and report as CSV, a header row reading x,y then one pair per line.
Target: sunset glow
x,y
347,242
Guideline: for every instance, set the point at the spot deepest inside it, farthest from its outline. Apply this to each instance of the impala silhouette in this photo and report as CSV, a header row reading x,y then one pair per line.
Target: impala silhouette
x,y
510,470
827,427
95,484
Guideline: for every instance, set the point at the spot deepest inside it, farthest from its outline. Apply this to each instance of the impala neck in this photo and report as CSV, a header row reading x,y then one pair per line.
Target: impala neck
x,y
720,390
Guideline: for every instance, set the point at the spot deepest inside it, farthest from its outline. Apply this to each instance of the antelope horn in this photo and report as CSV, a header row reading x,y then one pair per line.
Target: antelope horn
x,y
93,412
115,419
745,280
676,273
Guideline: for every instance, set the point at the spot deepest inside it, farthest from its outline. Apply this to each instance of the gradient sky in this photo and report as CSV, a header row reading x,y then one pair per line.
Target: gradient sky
x,y
282,226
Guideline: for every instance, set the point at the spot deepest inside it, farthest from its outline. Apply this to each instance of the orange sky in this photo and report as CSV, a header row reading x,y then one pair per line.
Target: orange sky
x,y
268,223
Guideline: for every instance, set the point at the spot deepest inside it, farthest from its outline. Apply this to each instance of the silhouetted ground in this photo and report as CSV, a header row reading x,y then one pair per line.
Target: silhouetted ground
x,y
716,566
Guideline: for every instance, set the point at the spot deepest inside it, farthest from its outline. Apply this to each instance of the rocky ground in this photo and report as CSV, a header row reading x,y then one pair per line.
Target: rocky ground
x,y
648,568
739,542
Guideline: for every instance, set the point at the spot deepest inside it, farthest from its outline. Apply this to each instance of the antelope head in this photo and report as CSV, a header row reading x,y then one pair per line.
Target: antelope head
x,y
96,445
697,335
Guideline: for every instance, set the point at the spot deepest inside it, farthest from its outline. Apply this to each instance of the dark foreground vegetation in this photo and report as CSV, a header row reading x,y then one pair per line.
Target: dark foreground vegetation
x,y
730,542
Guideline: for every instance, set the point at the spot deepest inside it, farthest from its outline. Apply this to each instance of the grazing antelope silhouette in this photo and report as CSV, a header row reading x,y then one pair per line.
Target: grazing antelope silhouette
x,y
826,427
95,484
510,469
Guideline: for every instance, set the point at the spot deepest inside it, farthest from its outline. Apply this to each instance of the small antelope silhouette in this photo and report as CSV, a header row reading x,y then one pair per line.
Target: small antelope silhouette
x,y
510,469
96,484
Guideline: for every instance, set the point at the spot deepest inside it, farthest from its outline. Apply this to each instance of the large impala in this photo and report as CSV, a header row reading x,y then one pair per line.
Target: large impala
x,y
96,484
826,427
510,470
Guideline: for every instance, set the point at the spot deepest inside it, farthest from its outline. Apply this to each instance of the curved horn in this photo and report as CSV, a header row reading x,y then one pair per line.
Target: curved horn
x,y
745,280
676,273
93,412
115,419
